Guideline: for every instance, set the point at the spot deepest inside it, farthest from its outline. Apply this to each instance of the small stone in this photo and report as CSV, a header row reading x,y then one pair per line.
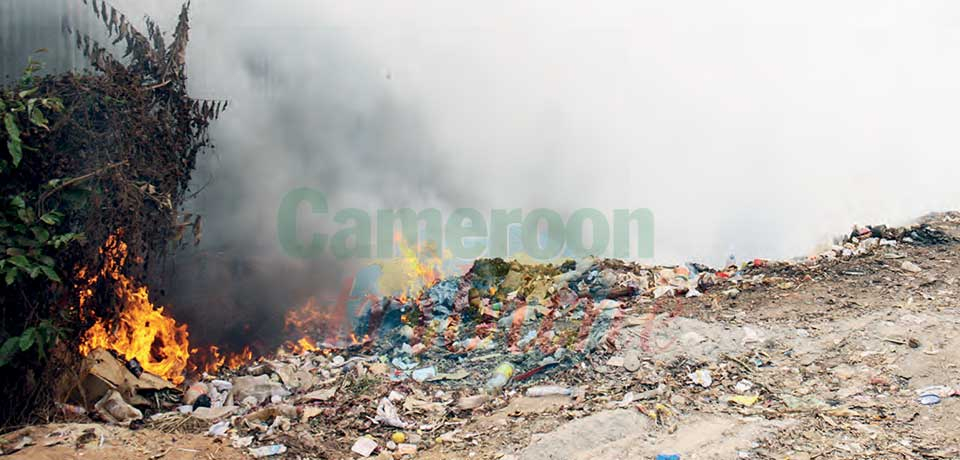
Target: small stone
x,y
631,360
615,361
743,386
911,267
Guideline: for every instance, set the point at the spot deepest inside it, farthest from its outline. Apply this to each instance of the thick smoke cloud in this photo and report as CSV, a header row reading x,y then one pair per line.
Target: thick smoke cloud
x,y
755,128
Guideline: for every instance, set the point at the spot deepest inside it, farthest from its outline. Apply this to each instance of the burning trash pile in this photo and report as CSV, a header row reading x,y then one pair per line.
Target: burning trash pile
x,y
416,364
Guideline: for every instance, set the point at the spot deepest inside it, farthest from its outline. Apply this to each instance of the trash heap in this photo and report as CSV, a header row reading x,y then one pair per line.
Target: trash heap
x,y
464,344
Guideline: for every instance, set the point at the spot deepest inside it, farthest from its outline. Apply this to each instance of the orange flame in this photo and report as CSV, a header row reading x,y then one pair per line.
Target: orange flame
x,y
236,360
142,331
404,277
210,360
305,344
309,321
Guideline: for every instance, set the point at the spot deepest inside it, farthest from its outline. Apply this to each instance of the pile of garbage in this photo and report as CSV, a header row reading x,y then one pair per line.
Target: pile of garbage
x,y
466,343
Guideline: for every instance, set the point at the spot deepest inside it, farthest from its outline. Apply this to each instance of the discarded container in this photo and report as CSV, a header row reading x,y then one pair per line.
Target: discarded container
x,y
267,451
194,391
548,390
114,409
942,391
422,375
71,409
202,401
221,385
364,446
219,429
668,457
501,375
929,399
134,367
242,442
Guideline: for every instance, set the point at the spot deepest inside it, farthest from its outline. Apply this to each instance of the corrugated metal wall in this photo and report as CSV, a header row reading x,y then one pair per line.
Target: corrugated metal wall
x,y
27,25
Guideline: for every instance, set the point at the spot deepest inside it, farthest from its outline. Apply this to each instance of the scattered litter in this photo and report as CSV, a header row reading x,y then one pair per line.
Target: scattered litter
x,y
472,402
701,377
743,386
219,429
388,415
364,446
501,375
422,375
115,410
744,400
549,390
268,451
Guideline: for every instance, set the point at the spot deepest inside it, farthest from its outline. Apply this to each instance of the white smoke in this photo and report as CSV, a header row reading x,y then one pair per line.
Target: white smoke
x,y
758,127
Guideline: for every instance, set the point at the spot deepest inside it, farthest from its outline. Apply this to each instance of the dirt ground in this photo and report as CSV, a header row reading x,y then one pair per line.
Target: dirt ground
x,y
835,356
104,442
837,361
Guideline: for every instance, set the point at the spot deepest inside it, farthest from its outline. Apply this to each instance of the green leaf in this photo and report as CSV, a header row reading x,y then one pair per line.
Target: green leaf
x,y
14,145
11,275
8,350
18,202
10,346
16,152
14,252
37,118
51,275
27,92
41,233
52,218
11,125
28,338
46,260
27,215
20,261
60,240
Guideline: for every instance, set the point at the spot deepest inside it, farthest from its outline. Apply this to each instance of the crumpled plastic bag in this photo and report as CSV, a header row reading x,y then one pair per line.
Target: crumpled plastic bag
x,y
387,414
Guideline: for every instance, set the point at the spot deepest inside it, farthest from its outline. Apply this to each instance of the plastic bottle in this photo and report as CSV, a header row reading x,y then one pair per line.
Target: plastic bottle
x,y
548,390
501,375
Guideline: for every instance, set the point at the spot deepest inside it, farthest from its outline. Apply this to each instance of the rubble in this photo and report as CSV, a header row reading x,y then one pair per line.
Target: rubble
x,y
507,343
